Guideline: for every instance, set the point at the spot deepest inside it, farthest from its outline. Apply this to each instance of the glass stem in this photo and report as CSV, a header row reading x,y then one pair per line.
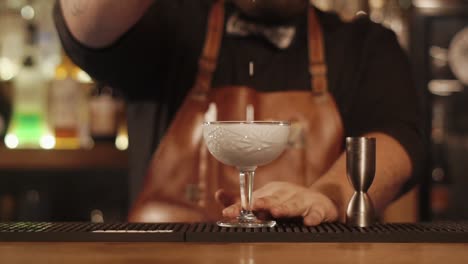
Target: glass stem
x,y
246,189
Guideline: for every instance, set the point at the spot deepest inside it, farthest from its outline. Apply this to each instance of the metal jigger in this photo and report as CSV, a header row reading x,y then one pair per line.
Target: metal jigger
x,y
360,167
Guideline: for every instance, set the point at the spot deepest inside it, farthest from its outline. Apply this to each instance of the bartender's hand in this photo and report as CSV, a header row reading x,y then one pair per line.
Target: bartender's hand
x,y
285,200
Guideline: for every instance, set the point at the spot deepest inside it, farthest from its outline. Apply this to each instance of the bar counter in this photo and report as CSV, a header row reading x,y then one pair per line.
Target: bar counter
x,y
288,242
239,253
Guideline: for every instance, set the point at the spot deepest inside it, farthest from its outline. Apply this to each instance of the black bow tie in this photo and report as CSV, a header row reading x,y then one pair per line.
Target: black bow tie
x,y
280,36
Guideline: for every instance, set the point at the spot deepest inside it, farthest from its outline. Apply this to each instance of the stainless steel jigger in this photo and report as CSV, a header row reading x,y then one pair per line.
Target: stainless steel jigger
x,y
360,167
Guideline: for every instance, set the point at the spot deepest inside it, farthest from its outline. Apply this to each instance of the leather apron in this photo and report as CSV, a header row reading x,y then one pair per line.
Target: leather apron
x,y
184,176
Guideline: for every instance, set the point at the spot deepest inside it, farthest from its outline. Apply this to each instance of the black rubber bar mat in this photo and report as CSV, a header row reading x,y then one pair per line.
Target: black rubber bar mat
x,y
92,232
207,232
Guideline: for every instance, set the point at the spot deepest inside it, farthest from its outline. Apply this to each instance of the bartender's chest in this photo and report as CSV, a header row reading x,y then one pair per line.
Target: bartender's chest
x,y
256,63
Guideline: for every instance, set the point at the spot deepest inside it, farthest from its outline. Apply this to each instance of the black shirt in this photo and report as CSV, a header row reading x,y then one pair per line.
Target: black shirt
x,y
155,63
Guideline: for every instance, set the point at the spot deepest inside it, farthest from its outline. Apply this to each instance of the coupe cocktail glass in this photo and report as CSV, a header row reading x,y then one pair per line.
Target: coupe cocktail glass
x,y
246,145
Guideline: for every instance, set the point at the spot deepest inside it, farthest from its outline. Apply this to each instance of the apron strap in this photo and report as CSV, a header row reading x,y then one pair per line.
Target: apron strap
x,y
215,29
209,58
317,64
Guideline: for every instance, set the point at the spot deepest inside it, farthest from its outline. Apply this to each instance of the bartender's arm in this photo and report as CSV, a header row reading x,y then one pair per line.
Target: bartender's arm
x,y
100,23
326,199
135,47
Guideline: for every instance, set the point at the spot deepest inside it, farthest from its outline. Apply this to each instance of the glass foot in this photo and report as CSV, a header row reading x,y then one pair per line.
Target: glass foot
x,y
251,223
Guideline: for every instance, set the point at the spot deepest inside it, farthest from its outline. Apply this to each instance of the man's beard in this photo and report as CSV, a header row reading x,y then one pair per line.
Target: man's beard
x,y
272,11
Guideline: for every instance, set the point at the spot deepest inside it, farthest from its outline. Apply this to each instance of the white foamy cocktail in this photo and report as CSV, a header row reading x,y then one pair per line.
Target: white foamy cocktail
x,y
246,145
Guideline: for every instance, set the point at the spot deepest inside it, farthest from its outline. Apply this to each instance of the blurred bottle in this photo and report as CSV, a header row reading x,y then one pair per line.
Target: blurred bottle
x,y
48,42
66,97
7,208
440,180
33,205
28,127
13,34
121,140
440,185
103,114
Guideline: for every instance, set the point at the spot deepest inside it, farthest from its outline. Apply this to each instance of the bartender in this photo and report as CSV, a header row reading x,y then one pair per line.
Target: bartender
x,y
182,62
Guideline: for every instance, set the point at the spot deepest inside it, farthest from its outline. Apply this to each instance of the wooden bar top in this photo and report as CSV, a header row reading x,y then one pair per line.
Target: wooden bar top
x,y
238,253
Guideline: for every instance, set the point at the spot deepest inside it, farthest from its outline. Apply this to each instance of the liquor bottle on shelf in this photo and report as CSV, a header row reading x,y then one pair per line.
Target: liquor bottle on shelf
x,y
440,180
13,32
66,107
121,139
28,127
440,185
7,207
103,114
